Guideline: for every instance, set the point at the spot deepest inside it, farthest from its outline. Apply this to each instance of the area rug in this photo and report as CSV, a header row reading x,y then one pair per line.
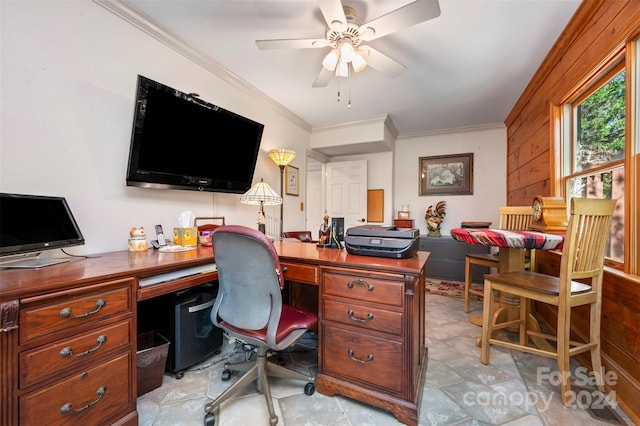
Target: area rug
x,y
447,288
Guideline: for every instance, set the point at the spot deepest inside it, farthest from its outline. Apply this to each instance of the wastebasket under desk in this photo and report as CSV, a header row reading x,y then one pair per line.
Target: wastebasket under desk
x,y
446,261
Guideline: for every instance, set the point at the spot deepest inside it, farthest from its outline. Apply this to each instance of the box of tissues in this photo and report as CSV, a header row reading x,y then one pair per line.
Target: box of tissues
x,y
187,237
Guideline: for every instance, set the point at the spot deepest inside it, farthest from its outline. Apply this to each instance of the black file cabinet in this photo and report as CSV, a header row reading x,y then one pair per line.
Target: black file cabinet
x,y
184,319
446,261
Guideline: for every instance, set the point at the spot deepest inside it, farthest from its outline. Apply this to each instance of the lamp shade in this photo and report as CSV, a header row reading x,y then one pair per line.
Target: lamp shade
x,y
358,63
342,70
331,60
282,156
261,193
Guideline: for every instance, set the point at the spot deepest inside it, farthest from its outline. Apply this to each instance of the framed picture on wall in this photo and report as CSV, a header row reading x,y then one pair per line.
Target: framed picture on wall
x,y
293,181
446,175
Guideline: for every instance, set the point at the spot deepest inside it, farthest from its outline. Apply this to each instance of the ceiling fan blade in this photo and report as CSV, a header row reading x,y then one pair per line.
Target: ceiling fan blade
x,y
323,78
406,16
334,14
381,62
310,43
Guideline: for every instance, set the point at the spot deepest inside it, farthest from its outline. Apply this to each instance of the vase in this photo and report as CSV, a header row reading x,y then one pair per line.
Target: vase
x,y
434,233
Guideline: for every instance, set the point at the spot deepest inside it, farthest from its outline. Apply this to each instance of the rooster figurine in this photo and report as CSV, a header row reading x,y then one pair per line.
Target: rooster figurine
x,y
435,217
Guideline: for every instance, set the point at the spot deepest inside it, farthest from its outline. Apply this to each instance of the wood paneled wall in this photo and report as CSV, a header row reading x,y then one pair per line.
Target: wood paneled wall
x,y
598,28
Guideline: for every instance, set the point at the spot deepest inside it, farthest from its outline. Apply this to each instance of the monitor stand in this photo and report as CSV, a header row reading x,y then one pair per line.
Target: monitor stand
x,y
28,261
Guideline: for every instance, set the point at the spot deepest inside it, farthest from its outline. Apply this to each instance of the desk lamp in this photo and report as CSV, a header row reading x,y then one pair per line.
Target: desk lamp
x,y
261,194
282,157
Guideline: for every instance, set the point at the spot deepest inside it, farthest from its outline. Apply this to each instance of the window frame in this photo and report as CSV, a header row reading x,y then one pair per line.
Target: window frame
x,y
563,129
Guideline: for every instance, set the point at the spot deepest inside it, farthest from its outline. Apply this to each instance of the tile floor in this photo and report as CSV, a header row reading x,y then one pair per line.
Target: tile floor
x,y
459,389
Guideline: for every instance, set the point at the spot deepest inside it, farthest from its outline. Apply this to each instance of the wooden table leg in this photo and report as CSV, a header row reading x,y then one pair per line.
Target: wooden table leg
x,y
511,259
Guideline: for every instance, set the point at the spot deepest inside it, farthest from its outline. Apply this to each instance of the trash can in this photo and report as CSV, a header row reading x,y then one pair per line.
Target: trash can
x,y
151,360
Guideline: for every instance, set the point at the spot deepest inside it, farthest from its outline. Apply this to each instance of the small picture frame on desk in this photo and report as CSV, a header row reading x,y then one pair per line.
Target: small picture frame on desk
x,y
404,215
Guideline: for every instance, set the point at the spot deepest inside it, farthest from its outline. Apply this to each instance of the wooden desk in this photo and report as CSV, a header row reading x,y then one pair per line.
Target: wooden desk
x,y
37,380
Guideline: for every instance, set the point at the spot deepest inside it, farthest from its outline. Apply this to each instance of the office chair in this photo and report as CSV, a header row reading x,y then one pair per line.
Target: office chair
x,y
249,307
511,217
582,259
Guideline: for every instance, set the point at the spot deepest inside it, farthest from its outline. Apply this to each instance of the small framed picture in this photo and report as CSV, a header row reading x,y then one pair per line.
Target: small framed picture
x,y
293,181
403,215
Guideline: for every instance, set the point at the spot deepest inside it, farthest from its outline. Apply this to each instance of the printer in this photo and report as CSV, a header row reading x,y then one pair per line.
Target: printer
x,y
382,241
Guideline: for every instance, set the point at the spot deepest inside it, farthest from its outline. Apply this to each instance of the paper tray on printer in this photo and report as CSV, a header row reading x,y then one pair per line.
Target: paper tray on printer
x,y
383,231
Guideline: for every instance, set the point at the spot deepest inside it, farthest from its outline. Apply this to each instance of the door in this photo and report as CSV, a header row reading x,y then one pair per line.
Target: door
x,y
347,192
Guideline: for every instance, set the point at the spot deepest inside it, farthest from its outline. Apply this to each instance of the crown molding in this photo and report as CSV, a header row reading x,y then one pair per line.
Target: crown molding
x,y
138,19
492,126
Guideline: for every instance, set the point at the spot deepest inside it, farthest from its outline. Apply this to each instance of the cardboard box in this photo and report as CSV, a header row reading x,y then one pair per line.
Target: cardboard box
x,y
187,237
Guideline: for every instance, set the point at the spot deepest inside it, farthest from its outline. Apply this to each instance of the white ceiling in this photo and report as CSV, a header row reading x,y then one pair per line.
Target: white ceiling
x,y
465,68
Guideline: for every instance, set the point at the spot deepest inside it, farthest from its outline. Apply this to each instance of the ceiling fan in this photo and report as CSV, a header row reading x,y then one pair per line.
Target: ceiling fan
x,y
346,38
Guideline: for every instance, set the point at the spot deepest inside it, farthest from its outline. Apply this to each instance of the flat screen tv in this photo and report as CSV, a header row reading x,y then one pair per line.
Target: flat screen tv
x,y
179,141
31,224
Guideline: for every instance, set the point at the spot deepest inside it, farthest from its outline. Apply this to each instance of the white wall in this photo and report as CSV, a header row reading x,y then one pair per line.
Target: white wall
x,y
379,176
68,81
489,187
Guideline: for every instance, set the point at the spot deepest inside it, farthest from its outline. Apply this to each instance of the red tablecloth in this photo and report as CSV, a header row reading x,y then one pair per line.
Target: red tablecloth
x,y
503,238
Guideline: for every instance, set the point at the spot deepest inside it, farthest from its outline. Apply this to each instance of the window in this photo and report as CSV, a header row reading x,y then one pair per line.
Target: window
x,y
595,150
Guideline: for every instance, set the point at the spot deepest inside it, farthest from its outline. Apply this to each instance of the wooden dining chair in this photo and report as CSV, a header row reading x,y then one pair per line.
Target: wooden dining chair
x,y
582,259
511,217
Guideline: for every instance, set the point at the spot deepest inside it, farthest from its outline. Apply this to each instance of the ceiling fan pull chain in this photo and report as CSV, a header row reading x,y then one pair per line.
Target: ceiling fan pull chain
x,y
349,88
338,89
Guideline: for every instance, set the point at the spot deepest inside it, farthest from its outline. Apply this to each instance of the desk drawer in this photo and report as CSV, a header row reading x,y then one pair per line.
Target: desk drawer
x,y
44,361
364,289
49,404
364,317
300,273
74,309
372,360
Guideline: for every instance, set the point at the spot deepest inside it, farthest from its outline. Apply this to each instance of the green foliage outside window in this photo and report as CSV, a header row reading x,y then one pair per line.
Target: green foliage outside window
x,y
601,125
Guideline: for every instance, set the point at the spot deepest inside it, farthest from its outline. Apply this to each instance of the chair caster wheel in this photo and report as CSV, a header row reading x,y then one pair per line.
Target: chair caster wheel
x,y
209,419
280,361
309,388
179,375
226,375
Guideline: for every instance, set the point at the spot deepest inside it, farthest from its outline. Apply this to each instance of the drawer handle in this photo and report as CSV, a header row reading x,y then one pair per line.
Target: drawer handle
x,y
66,312
369,287
65,352
368,318
361,361
68,407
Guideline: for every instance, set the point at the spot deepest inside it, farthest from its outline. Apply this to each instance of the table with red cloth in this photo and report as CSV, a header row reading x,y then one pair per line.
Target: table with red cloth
x,y
512,245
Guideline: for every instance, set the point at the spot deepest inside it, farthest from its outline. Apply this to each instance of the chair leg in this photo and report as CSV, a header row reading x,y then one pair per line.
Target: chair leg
x,y
487,321
275,370
564,365
594,337
263,384
467,282
524,318
250,376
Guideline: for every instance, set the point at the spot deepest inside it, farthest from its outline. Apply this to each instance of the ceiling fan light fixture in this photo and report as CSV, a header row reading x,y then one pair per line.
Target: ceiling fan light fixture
x,y
347,52
342,70
358,62
331,60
